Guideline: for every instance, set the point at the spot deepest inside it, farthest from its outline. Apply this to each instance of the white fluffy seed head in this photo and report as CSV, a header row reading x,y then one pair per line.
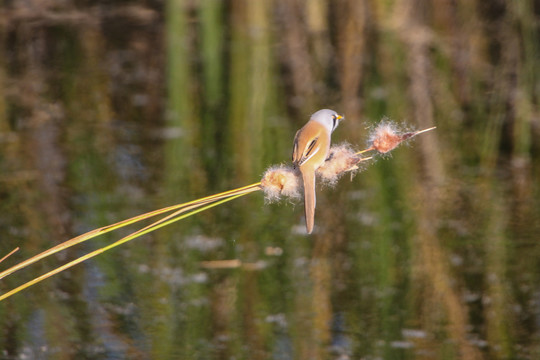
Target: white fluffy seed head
x,y
386,136
342,158
281,181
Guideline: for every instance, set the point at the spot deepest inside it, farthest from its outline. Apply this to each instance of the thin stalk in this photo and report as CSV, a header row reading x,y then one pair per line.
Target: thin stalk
x,y
103,230
365,150
9,254
425,130
157,225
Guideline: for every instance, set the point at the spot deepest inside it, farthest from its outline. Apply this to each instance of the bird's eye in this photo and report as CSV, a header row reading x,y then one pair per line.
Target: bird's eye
x,y
334,122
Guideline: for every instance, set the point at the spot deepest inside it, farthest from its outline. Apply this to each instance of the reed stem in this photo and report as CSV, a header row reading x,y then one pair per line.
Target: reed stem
x,y
9,254
157,225
103,230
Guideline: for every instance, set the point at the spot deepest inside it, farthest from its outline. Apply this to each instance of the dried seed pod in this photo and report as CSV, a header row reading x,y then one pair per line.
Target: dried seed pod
x,y
386,136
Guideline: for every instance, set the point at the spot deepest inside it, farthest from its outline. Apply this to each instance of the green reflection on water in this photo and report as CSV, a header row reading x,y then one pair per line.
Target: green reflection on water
x,y
430,253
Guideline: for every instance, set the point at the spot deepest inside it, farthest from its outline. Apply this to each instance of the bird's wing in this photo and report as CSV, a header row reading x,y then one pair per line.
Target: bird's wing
x,y
306,147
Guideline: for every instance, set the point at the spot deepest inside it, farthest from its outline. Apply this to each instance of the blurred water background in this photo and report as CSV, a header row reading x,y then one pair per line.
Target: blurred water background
x,y
109,109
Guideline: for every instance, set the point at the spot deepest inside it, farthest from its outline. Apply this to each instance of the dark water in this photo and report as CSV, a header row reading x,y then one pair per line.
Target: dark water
x,y
111,109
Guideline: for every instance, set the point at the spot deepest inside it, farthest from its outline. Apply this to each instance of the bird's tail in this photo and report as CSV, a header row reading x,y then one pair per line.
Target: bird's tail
x,y
309,199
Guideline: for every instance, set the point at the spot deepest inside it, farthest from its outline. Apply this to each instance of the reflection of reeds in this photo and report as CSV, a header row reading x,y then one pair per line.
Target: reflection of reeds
x,y
430,255
500,320
295,54
353,30
475,70
439,288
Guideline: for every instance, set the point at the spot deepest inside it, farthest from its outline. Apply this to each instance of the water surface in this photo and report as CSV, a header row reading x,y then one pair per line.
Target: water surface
x,y
111,109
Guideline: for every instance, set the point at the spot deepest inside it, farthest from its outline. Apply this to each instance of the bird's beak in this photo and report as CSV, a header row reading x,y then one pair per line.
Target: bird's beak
x,y
340,117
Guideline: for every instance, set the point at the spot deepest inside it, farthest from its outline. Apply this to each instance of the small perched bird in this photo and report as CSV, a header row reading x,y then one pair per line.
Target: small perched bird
x,y
310,150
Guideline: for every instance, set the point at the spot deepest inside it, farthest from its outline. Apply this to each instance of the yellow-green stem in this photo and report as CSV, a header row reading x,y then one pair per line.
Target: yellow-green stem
x,y
103,230
150,228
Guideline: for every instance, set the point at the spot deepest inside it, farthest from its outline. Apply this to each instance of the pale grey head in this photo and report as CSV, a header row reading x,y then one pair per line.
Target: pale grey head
x,y
328,118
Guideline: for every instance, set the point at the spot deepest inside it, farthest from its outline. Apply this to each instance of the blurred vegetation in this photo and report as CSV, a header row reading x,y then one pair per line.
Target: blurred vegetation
x,y
112,108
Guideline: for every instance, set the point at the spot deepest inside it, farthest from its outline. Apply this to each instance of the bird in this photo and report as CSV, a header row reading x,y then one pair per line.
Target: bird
x,y
310,150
